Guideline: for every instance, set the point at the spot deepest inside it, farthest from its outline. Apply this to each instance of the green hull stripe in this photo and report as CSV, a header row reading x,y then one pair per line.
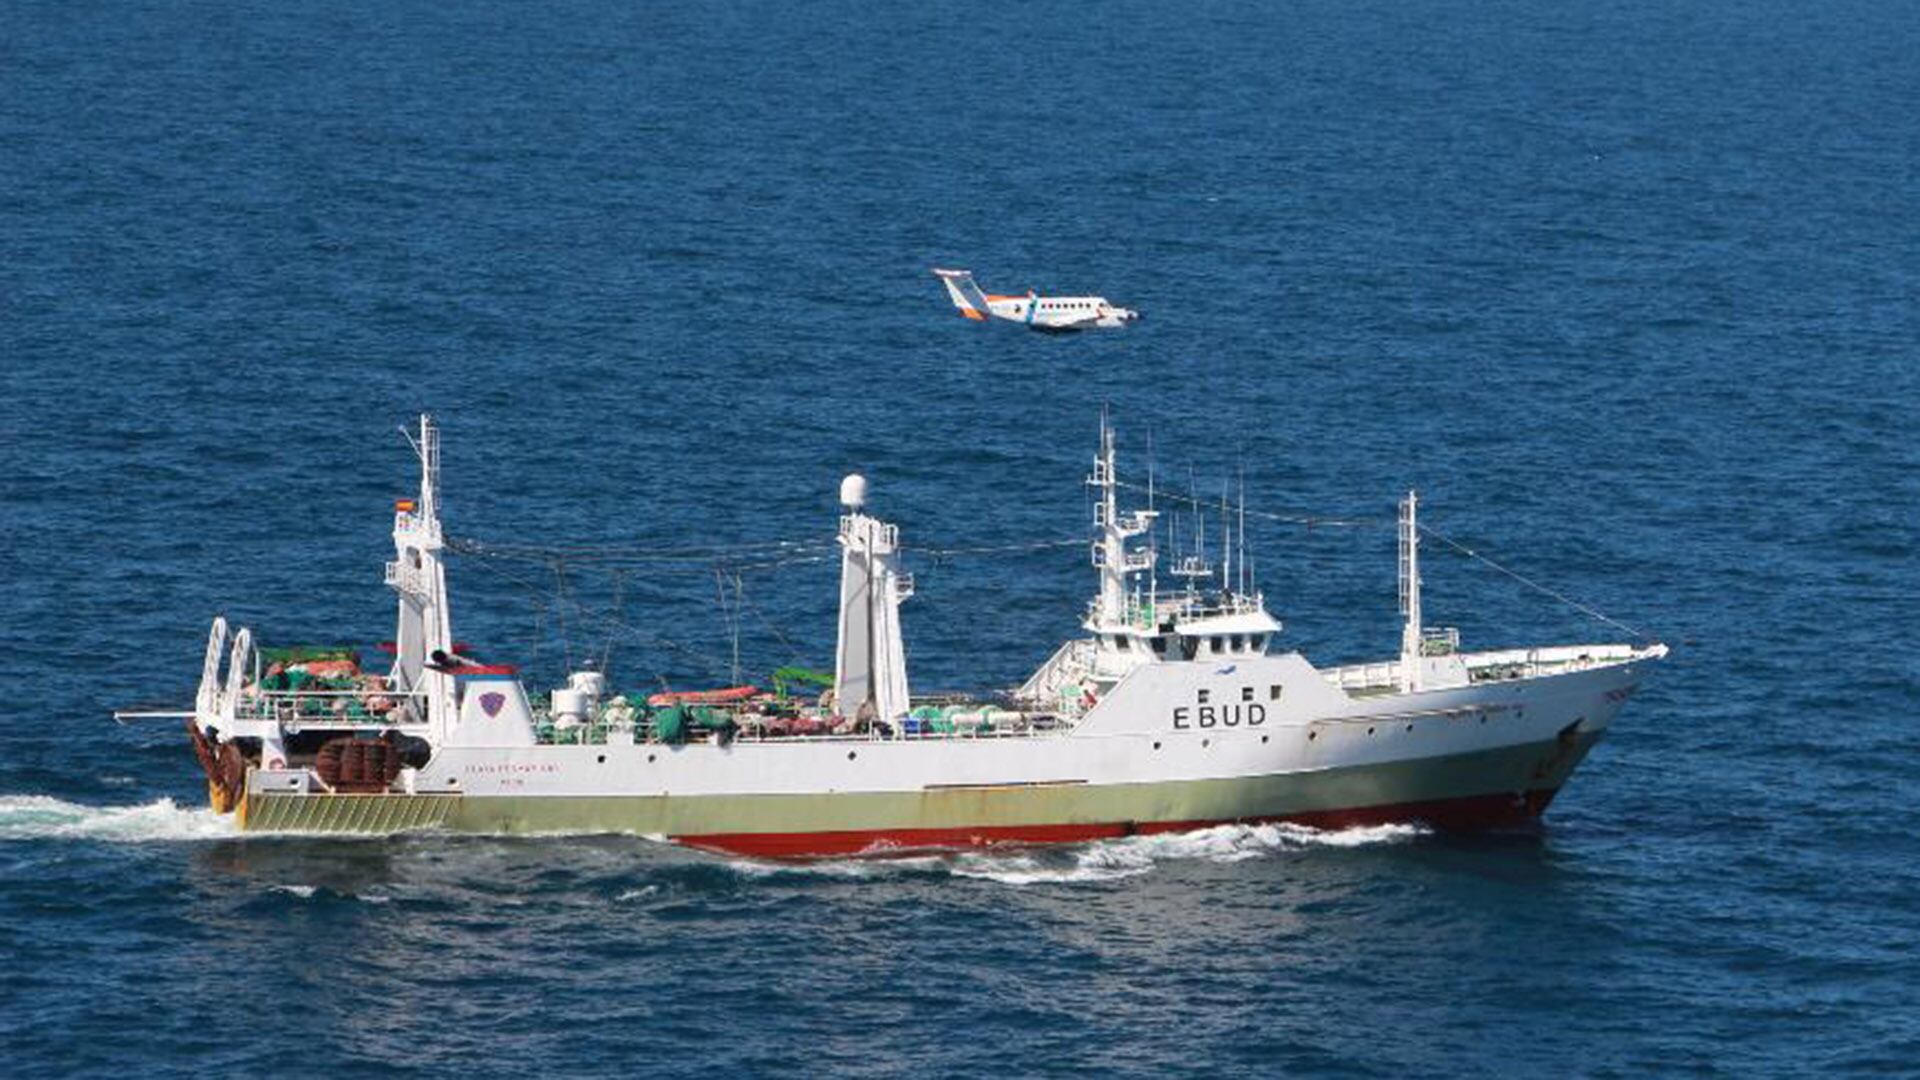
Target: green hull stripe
x,y
1533,767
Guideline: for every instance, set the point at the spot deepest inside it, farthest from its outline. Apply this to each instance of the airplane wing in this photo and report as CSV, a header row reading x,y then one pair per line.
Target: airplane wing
x,y
1067,321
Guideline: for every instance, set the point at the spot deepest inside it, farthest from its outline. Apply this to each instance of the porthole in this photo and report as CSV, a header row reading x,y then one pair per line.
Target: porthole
x,y
650,759
1204,743
1369,731
851,754
1312,735
601,760
1156,746
1409,727
452,780
1263,740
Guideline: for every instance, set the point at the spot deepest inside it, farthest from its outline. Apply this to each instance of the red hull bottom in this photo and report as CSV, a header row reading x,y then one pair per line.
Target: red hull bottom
x,y
1469,814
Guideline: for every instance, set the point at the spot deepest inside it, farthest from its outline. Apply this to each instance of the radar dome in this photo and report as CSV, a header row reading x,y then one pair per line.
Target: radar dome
x,y
853,491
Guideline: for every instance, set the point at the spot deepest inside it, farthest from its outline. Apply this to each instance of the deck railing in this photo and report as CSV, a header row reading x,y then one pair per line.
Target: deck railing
x,y
601,729
334,708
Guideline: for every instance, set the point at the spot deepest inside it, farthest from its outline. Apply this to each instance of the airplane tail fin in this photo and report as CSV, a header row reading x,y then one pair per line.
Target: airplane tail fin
x,y
966,295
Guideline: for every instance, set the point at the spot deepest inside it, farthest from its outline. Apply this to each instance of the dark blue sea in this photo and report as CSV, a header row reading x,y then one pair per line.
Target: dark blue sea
x,y
1630,291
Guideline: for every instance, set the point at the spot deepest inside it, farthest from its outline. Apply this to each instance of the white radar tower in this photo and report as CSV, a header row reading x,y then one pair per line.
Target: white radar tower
x,y
870,664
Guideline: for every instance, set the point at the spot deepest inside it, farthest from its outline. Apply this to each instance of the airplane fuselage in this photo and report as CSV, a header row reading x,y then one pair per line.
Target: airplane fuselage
x,y
1054,314
1060,313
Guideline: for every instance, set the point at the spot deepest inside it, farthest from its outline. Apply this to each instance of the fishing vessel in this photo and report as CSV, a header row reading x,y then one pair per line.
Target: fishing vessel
x,y
1172,709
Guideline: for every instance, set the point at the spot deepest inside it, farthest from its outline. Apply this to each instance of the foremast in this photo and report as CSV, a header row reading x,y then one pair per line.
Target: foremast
x,y
1410,633
423,638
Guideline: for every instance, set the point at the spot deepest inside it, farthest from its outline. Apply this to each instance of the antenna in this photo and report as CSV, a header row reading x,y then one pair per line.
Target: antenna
x,y
1199,520
1246,573
1153,566
1226,542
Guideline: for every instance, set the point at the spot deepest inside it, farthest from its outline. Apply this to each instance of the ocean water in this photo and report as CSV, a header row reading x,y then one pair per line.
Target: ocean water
x,y
1629,291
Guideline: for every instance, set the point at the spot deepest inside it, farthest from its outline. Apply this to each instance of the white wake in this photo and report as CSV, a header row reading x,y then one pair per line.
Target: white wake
x,y
37,817
1102,860
1108,860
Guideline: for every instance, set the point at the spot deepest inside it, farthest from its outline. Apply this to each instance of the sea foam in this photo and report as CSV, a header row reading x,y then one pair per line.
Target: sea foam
x,y
37,817
1109,860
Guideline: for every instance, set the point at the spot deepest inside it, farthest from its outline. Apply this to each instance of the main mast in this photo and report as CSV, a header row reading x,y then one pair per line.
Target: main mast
x,y
1111,556
870,661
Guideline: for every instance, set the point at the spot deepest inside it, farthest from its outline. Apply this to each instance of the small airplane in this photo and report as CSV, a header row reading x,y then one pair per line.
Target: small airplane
x,y
1053,314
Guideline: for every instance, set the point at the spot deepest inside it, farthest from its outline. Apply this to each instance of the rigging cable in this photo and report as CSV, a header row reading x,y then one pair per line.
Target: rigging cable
x,y
768,555
612,621
1311,522
1532,584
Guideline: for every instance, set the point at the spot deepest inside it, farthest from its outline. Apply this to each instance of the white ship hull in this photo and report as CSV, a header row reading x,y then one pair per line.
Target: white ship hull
x,y
1484,755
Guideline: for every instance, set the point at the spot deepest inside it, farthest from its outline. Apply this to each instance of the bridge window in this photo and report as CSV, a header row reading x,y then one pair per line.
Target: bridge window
x,y
1217,643
1120,642
1257,642
1159,644
1236,642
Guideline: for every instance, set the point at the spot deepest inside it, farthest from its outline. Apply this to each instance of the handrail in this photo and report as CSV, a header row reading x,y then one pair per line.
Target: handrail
x,y
314,707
